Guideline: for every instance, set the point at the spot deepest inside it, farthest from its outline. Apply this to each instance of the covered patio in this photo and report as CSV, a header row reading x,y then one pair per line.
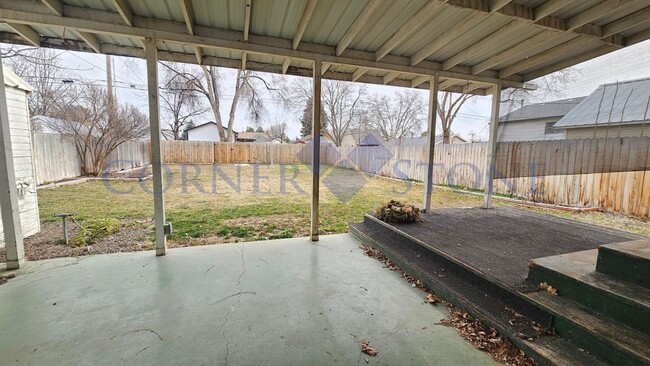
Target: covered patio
x,y
295,301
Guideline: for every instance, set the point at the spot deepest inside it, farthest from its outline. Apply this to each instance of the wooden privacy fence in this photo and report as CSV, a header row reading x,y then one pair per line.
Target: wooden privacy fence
x,y
612,174
55,157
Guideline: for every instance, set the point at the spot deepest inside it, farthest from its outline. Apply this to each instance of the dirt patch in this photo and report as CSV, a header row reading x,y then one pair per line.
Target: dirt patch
x,y
48,243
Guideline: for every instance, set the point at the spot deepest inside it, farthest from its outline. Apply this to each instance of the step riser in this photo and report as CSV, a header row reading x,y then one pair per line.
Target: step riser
x,y
594,344
600,301
624,267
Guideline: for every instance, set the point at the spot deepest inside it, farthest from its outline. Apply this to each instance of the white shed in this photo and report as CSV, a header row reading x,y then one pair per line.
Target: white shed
x,y
21,144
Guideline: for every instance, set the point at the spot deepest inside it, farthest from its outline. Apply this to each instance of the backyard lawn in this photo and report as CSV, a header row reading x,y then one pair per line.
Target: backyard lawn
x,y
209,204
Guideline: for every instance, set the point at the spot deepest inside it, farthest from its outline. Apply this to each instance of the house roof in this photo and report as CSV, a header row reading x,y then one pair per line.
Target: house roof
x,y
254,136
530,112
420,141
46,124
15,81
325,137
204,124
616,103
399,43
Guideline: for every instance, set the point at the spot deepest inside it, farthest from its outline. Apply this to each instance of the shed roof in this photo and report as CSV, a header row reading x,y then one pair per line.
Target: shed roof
x,y
13,80
530,112
615,103
470,44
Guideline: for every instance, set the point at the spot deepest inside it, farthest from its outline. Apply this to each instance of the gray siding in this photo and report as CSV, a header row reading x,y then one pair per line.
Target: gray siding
x,y
21,144
531,130
611,131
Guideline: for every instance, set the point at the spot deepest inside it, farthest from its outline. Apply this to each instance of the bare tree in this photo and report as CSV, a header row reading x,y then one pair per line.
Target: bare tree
x,y
343,106
278,132
41,68
448,107
551,86
396,119
181,102
248,88
96,135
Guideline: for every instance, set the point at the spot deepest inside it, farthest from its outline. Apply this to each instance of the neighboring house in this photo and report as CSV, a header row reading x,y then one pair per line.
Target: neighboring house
x,y
205,132
325,139
21,147
254,137
45,124
422,141
612,110
362,137
535,122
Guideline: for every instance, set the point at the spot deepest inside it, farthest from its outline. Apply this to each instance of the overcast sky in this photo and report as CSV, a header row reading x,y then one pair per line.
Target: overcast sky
x,y
130,86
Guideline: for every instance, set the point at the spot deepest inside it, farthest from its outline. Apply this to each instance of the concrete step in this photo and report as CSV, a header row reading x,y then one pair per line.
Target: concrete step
x,y
628,261
468,290
574,276
609,341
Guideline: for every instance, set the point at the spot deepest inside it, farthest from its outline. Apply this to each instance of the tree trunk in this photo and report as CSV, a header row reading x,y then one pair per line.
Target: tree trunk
x,y
446,137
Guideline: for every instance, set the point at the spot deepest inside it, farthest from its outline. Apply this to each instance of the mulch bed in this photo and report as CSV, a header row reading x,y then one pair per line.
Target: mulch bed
x,y
48,243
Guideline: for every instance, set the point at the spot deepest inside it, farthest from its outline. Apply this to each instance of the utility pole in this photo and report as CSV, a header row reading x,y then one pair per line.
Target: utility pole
x,y
109,80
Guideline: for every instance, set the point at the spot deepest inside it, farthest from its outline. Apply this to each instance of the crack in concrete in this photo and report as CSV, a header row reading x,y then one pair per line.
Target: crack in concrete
x,y
226,317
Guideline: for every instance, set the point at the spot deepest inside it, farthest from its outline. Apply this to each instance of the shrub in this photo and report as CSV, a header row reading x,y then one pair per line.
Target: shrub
x,y
91,230
395,211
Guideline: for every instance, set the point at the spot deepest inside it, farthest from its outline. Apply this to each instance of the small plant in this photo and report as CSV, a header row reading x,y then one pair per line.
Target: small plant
x,y
395,211
91,230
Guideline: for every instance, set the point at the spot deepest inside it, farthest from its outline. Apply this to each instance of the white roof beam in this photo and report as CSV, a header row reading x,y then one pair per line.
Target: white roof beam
x,y
188,16
545,56
285,65
519,49
90,40
421,17
420,80
451,34
27,33
449,83
325,67
550,7
55,6
207,37
304,21
357,25
484,45
243,61
390,77
594,13
247,19
634,19
496,5
359,73
124,10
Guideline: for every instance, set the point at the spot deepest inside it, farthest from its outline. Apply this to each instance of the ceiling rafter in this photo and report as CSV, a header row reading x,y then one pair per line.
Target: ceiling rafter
x,y
549,7
90,40
358,73
358,24
247,19
390,77
496,5
420,80
124,10
421,17
304,21
55,6
595,13
285,65
188,17
27,33
625,23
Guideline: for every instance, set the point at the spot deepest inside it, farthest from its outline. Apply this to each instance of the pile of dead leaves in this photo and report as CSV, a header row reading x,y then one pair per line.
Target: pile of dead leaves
x,y
368,349
374,253
486,339
396,211
546,287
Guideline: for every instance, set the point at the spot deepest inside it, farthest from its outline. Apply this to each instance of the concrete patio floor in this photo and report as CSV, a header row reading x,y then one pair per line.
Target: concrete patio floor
x,y
282,302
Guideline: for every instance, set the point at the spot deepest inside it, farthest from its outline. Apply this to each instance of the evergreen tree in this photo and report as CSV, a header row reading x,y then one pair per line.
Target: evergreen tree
x,y
188,125
306,119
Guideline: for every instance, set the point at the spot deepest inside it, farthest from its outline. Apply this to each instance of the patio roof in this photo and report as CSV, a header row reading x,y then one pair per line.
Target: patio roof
x,y
470,44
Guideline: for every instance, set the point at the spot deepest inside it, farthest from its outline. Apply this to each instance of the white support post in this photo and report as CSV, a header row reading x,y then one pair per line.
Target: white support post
x,y
315,158
491,147
156,156
8,194
434,86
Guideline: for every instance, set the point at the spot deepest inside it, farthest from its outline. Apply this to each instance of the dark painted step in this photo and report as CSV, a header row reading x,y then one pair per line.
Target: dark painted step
x,y
609,341
574,276
628,261
465,289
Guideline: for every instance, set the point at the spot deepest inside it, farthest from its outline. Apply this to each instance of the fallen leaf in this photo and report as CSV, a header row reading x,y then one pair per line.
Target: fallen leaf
x,y
367,348
432,299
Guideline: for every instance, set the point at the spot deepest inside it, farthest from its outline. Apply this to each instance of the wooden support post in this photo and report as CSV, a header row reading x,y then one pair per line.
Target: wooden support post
x,y
315,158
8,193
491,147
434,86
156,156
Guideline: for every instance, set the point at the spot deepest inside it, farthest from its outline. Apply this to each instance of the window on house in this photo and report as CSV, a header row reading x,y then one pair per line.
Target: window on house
x,y
549,129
